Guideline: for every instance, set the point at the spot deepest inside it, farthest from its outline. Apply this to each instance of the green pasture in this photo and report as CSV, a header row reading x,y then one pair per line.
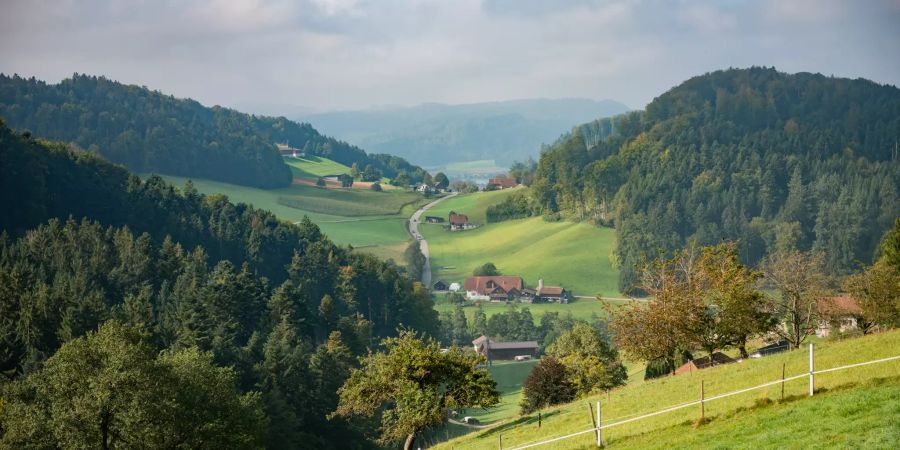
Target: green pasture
x,y
347,202
473,205
314,167
582,308
576,256
378,234
509,376
853,408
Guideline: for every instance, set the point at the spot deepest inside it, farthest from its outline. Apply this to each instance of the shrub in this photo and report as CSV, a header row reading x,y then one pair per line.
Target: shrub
x,y
546,385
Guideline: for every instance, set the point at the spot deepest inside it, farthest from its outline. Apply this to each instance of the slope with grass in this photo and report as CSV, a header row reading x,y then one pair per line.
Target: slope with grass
x,y
576,256
372,220
580,308
856,407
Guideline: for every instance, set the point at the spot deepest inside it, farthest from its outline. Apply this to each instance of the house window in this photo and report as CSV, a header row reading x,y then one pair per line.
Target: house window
x,y
491,285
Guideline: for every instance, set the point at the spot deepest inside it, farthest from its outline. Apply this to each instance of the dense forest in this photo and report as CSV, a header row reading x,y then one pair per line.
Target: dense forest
x,y
770,160
156,317
148,131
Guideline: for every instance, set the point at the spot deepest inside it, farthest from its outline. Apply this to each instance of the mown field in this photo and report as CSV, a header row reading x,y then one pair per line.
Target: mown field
x,y
382,232
577,256
313,167
855,408
582,308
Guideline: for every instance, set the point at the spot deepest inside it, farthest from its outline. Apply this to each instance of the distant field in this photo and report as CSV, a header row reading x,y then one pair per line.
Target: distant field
x,y
474,205
314,166
581,308
576,256
348,202
372,232
854,408
509,376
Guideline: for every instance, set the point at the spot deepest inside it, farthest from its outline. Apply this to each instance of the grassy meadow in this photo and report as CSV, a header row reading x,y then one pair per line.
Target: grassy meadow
x,y
375,222
313,167
858,407
582,308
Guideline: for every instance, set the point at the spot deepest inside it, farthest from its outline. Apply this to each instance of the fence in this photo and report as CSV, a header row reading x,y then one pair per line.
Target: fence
x,y
598,427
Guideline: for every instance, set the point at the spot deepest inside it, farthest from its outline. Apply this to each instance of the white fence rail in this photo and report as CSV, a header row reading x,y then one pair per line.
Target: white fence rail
x,y
597,429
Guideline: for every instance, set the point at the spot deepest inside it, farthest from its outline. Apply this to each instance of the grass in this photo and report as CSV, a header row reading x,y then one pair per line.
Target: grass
x,y
347,202
852,408
509,376
581,308
314,167
369,232
576,256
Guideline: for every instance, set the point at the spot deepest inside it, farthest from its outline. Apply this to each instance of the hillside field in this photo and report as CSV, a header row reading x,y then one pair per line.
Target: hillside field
x,y
312,167
857,407
576,256
581,308
375,221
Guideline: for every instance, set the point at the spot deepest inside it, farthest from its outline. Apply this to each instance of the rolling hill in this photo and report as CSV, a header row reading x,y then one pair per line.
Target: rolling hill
x,y
852,408
148,131
573,255
770,160
435,134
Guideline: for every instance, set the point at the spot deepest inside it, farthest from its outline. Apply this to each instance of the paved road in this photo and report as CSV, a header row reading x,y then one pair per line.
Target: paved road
x,y
414,231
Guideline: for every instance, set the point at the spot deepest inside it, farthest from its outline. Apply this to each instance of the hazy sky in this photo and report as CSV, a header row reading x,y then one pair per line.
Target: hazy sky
x,y
341,54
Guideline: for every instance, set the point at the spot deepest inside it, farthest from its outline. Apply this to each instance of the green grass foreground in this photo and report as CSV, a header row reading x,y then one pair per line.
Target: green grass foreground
x,y
855,408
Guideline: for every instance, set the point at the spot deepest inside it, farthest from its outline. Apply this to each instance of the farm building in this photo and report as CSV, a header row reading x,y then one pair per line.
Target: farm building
x,y
496,288
503,182
441,285
434,219
718,358
459,221
770,349
493,350
287,150
550,294
841,313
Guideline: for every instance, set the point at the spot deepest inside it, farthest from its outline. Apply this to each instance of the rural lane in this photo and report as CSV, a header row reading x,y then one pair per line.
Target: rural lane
x,y
423,244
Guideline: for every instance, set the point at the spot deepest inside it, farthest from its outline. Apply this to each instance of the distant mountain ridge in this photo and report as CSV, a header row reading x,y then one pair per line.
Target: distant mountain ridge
x,y
433,133
149,131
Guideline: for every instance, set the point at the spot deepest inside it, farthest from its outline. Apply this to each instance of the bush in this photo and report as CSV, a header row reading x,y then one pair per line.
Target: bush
x,y
375,187
320,182
516,206
546,385
486,270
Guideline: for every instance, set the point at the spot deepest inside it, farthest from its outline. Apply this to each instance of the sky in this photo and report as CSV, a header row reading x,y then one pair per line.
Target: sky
x,y
320,55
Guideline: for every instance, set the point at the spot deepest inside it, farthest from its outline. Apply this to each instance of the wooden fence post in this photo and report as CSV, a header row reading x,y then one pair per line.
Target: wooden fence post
x,y
782,382
599,436
702,409
811,370
539,420
501,441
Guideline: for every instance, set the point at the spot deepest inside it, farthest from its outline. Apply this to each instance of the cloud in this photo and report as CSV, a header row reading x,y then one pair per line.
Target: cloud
x,y
338,54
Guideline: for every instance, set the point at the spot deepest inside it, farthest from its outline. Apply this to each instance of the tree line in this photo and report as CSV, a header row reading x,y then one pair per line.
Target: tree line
x,y
148,131
772,161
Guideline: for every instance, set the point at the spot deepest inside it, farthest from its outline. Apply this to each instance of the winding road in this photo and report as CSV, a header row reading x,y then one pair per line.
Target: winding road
x,y
414,231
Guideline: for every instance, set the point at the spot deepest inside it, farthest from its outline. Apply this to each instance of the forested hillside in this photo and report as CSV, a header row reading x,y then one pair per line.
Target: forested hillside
x,y
174,318
771,160
151,132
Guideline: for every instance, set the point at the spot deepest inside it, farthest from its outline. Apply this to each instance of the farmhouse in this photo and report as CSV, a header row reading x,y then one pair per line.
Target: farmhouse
x,y
434,219
287,150
503,182
493,350
459,221
550,294
718,358
841,313
496,288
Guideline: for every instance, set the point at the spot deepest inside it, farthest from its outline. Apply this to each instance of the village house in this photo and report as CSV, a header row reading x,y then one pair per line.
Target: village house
x,y
841,314
441,285
287,150
503,182
459,222
493,350
496,288
718,358
550,294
